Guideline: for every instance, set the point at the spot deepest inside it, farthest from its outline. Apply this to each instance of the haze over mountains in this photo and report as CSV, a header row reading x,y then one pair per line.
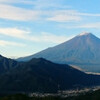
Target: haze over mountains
x,y
82,50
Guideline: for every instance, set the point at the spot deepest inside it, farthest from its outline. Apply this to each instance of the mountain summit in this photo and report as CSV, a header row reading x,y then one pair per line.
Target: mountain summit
x,y
82,50
84,33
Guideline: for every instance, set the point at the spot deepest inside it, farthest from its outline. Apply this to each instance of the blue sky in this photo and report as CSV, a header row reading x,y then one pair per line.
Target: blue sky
x,y
29,26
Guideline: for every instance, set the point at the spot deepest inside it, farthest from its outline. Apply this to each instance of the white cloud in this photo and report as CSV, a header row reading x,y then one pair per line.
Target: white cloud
x,y
10,12
14,32
87,25
49,37
6,1
16,1
40,11
90,25
27,35
51,4
88,14
39,4
19,14
7,43
18,33
68,16
64,18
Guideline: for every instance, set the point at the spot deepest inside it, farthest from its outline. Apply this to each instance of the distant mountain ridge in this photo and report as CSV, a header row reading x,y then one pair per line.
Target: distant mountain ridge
x,y
81,50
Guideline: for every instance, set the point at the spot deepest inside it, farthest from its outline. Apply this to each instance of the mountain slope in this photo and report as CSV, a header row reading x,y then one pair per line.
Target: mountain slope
x,y
6,64
81,50
40,75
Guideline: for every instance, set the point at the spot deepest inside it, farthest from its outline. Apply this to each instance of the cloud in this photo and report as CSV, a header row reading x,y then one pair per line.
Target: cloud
x,y
11,12
41,10
7,43
90,25
87,25
14,32
16,1
18,33
6,1
64,18
38,4
27,35
18,14
49,4
69,16
88,14
50,38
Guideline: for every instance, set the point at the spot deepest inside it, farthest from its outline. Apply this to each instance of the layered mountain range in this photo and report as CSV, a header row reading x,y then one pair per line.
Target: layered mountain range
x,y
40,75
36,74
82,51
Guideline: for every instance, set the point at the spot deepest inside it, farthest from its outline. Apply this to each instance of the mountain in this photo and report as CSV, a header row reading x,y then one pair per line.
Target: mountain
x,y
6,64
40,75
82,50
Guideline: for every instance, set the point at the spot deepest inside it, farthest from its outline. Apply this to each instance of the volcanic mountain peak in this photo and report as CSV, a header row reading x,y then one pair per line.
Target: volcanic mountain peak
x,y
82,50
84,33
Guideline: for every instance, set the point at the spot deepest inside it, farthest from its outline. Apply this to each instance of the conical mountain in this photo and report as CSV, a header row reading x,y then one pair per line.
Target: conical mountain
x,y
82,50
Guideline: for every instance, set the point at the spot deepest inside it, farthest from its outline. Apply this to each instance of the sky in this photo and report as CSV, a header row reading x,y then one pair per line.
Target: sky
x,y
29,26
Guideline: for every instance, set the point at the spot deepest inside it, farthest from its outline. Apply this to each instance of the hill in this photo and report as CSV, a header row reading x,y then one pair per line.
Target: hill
x,y
40,75
6,64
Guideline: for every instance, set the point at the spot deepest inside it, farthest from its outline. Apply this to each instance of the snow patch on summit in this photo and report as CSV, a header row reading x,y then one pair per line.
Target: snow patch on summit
x,y
84,33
